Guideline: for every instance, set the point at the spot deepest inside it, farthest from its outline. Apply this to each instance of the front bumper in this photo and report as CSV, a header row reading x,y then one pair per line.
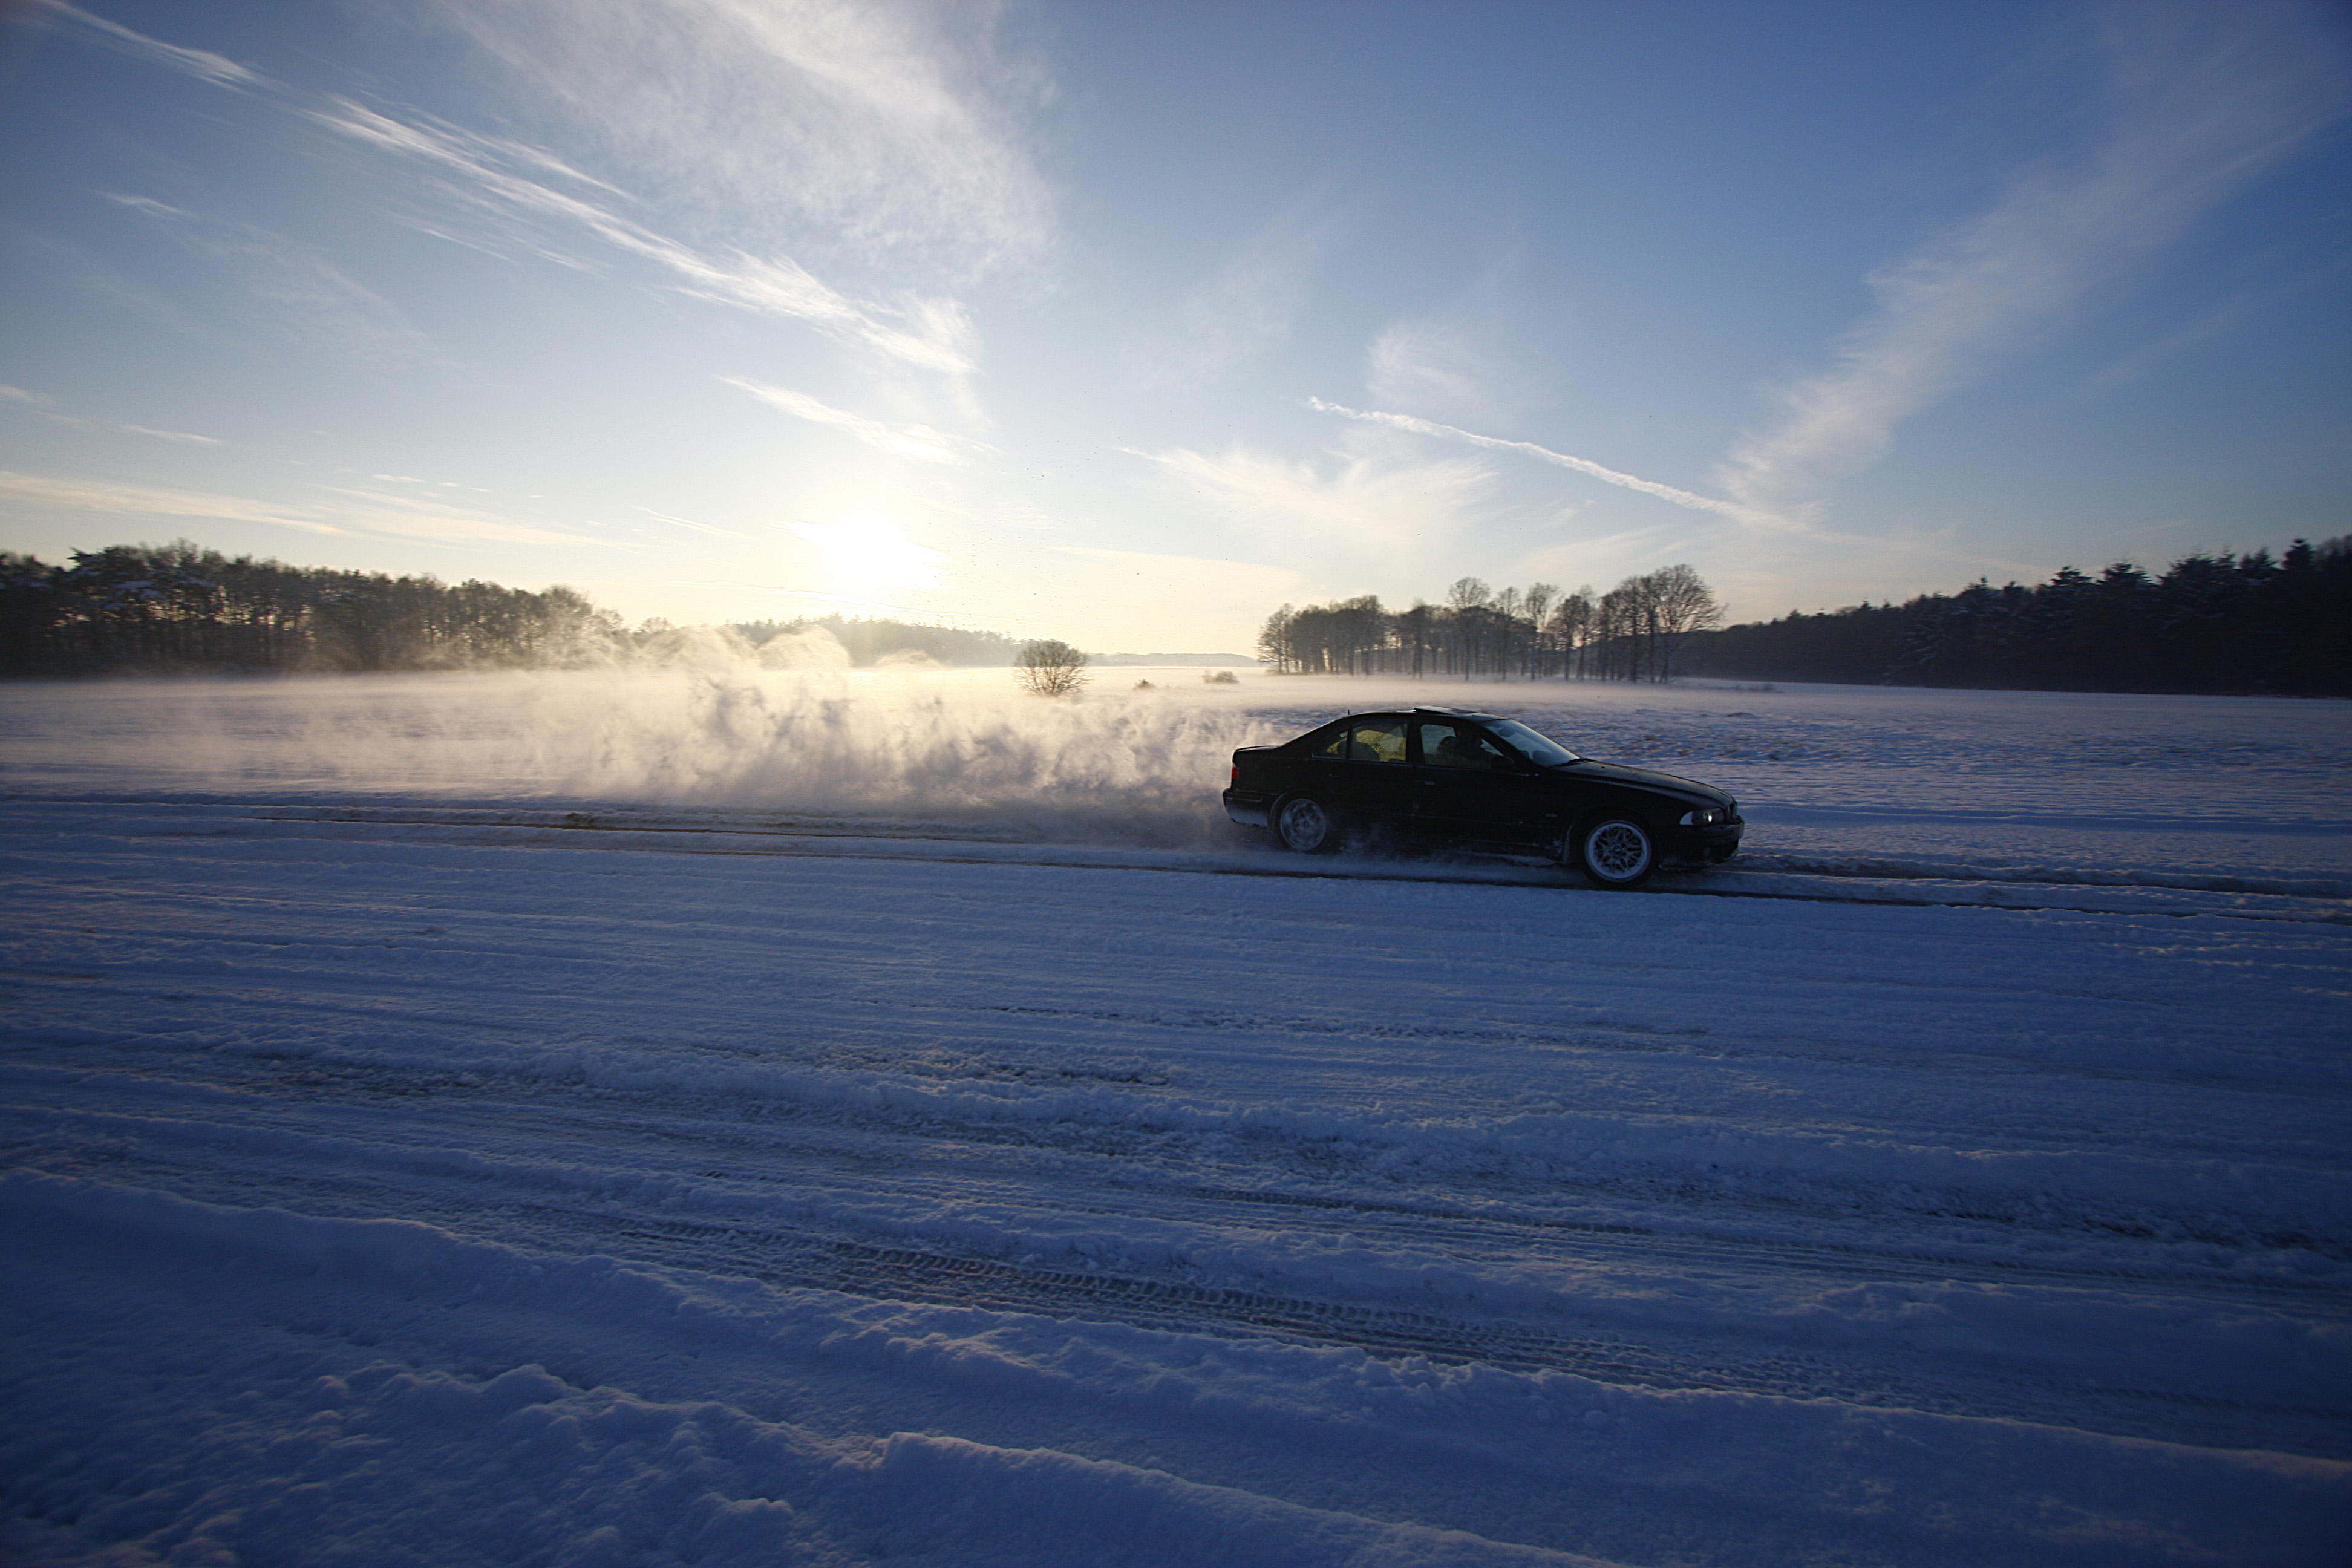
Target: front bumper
x,y
1682,845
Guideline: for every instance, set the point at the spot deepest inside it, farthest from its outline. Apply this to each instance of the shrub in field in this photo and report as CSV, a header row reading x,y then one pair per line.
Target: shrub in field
x,y
1049,667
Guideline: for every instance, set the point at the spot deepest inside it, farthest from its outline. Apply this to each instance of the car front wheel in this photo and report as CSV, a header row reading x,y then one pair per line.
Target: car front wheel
x,y
1617,852
1305,825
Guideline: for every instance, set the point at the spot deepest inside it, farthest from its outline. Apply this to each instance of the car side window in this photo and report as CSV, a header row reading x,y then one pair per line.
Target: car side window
x,y
1372,741
1460,746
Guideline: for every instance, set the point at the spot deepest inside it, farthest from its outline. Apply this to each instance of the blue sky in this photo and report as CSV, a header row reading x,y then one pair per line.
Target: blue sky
x,y
1125,322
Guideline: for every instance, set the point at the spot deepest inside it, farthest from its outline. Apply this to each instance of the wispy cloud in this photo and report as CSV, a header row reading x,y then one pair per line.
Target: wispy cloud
x,y
338,511
899,130
1366,508
201,64
2203,99
920,442
292,290
301,293
1425,361
544,204
1756,516
42,404
2215,322
686,522
187,436
1248,307
510,182
1475,358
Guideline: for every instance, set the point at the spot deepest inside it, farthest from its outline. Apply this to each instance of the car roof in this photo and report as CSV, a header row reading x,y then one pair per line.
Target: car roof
x,y
1421,712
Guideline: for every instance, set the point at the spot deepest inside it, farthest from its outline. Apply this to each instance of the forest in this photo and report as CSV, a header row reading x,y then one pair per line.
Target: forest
x,y
180,607
2209,623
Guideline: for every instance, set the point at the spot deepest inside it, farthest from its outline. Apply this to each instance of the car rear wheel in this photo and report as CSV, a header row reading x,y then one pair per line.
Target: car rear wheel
x,y
1616,852
1307,825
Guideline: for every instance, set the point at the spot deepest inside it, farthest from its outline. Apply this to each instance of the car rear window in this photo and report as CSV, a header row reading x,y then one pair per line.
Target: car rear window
x,y
1367,741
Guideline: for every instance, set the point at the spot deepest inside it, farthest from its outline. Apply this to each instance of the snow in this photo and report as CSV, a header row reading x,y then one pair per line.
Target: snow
x,y
731,1117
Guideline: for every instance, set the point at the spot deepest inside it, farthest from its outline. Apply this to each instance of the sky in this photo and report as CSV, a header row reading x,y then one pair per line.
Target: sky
x,y
1124,323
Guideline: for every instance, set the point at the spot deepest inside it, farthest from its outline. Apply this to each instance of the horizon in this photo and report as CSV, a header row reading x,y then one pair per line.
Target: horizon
x,y
1127,327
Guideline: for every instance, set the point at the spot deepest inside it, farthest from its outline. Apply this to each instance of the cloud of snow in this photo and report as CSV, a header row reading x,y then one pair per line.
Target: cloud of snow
x,y
786,727
965,745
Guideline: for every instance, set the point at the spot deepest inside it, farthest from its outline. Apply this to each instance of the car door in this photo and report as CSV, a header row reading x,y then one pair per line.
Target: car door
x,y
1468,784
1361,769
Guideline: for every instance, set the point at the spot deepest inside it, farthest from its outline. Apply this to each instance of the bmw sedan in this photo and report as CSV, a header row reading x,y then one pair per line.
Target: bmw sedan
x,y
1479,780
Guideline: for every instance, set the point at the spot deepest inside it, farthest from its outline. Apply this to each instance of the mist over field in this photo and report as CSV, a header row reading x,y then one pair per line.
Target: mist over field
x,y
2141,785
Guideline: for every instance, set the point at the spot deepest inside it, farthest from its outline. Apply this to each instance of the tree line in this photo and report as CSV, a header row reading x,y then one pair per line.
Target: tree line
x,y
2209,623
1639,630
181,608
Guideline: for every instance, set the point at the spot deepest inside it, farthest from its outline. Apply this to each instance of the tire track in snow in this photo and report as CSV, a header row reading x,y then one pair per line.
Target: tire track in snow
x,y
808,1257
2237,898
582,1169
737,1151
628,1217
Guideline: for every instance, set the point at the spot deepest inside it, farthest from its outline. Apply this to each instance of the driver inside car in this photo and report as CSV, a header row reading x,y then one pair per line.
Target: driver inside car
x,y
1453,752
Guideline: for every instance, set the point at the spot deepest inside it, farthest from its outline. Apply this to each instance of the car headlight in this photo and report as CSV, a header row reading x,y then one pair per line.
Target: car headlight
x,y
1707,817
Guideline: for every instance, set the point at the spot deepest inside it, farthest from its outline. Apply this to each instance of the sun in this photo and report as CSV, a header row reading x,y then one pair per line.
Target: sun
x,y
867,555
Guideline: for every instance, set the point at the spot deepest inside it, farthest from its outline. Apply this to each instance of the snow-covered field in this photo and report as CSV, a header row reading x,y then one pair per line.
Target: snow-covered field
x,y
736,1118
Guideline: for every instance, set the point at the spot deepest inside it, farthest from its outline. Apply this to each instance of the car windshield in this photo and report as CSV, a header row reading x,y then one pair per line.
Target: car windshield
x,y
1534,745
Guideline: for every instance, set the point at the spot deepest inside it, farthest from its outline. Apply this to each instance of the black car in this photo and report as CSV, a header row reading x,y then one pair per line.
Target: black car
x,y
1437,773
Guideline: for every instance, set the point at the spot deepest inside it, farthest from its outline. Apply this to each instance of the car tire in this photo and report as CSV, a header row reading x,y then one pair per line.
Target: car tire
x,y
1305,825
1616,852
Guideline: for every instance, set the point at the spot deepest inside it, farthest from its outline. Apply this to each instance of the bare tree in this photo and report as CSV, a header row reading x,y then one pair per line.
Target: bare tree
x,y
1050,668
1277,645
1503,627
1536,605
1677,602
1616,632
1570,628
1416,634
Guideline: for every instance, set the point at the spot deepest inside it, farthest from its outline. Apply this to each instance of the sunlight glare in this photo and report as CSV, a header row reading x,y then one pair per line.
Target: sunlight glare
x,y
866,553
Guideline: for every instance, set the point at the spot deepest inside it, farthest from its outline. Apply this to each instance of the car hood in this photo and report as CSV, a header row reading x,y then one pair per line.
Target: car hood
x,y
1674,785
